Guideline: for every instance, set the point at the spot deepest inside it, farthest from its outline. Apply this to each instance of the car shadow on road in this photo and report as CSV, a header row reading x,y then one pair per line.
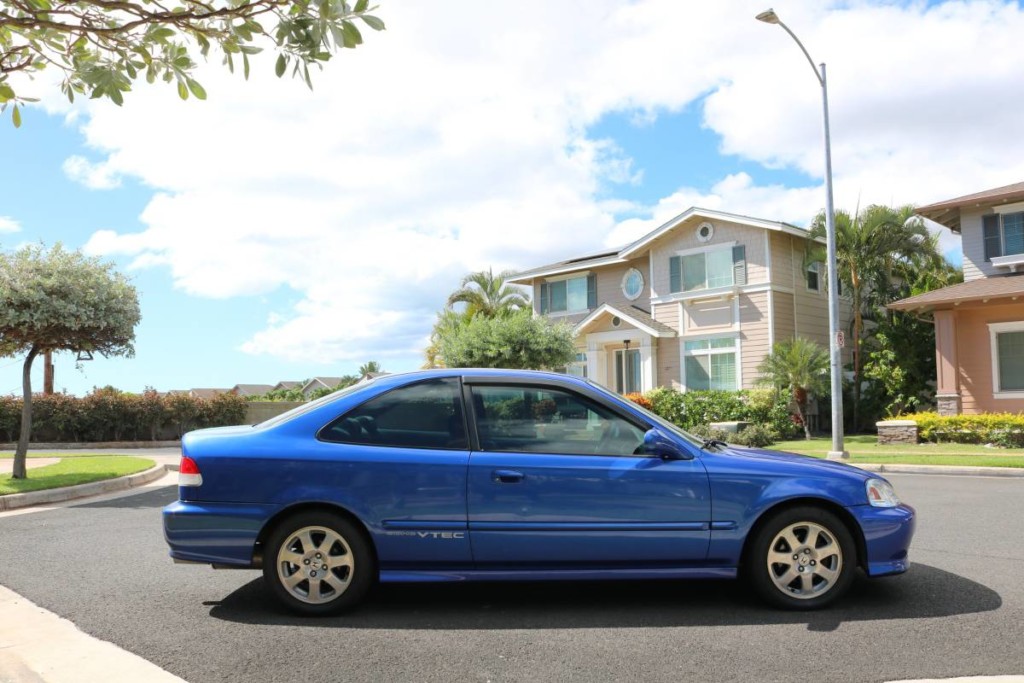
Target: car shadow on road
x,y
924,592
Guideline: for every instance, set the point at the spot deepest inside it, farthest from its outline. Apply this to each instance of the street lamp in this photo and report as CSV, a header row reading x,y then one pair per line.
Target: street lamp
x,y
835,351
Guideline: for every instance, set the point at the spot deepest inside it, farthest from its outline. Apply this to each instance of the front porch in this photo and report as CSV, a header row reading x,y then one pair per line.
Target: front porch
x,y
620,346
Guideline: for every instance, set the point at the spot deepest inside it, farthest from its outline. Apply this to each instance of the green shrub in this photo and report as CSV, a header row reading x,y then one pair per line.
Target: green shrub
x,y
754,436
1000,429
108,414
10,417
763,407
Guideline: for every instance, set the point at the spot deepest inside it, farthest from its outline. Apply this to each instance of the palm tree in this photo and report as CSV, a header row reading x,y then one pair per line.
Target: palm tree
x,y
800,367
874,249
368,368
485,293
446,321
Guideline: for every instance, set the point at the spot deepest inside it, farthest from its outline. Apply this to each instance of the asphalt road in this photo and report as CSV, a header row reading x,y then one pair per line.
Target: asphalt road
x,y
957,612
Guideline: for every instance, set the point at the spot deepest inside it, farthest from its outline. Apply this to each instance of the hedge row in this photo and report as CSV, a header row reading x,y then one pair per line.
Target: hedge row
x,y
1000,429
111,415
693,410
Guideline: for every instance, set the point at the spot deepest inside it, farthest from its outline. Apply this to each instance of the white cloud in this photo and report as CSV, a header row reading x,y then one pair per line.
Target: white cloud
x,y
9,225
457,140
101,176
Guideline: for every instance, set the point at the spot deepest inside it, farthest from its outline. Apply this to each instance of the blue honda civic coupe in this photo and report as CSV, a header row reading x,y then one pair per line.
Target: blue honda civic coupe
x,y
455,475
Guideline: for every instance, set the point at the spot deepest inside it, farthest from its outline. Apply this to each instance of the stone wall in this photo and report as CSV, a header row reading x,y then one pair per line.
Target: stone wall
x,y
897,431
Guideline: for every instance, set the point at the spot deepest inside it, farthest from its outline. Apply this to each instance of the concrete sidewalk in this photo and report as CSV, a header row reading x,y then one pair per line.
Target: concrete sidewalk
x,y
37,646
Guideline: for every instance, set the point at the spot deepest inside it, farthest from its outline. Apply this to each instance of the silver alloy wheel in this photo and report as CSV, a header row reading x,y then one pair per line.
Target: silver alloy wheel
x,y
805,560
315,564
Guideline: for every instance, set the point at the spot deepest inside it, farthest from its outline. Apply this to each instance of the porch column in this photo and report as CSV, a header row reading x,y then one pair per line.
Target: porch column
x,y
947,364
647,356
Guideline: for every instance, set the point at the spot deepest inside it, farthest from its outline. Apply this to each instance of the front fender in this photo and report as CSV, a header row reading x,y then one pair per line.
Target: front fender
x,y
740,498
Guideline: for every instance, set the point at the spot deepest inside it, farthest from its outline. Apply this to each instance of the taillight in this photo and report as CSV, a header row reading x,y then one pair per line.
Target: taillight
x,y
188,473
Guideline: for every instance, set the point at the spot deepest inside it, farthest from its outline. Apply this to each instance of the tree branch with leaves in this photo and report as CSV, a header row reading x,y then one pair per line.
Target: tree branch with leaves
x,y
102,46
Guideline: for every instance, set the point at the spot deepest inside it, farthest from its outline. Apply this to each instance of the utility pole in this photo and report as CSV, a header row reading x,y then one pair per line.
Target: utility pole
x,y
48,373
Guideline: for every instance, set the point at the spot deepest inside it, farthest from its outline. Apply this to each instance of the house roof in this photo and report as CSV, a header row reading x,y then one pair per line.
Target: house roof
x,y
947,212
637,317
207,393
252,389
329,382
288,384
623,254
1009,286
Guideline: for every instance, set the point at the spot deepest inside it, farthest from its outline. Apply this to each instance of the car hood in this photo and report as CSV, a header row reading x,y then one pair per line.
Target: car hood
x,y
803,462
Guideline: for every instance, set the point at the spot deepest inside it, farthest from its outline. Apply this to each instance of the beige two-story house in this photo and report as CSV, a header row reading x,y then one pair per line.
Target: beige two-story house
x,y
695,304
979,323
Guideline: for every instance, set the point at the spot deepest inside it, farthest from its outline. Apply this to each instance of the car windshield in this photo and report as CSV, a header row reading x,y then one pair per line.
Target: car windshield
x,y
313,405
656,419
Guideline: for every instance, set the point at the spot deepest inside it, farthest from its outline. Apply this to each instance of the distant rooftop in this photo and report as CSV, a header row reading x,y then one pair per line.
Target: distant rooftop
x,y
947,212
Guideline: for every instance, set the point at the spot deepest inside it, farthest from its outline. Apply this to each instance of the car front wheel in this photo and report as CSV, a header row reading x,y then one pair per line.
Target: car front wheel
x,y
318,563
802,558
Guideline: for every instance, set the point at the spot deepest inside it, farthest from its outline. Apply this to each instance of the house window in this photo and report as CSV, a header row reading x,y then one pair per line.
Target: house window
x,y
707,270
578,368
572,295
722,266
632,284
1003,234
710,364
1007,343
814,277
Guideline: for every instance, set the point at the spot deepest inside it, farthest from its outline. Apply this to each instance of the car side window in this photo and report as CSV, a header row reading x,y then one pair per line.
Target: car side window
x,y
422,415
524,419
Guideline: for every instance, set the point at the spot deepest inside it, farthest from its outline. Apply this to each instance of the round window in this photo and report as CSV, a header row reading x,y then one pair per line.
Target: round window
x,y
616,321
705,231
632,284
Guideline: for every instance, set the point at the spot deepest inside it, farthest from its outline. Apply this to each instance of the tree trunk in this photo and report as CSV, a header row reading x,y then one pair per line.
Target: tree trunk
x,y
26,416
800,398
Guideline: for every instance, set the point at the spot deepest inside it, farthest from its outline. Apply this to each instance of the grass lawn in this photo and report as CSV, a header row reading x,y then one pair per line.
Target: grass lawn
x,y
864,448
80,469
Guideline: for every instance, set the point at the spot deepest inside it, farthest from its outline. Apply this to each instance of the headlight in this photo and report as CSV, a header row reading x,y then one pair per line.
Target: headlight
x,y
881,493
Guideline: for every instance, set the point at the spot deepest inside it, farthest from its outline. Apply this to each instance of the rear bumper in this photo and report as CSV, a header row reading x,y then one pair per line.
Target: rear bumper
x,y
887,536
214,533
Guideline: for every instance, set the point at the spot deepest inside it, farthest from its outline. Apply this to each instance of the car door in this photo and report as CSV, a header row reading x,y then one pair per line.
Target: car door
x,y
557,478
401,457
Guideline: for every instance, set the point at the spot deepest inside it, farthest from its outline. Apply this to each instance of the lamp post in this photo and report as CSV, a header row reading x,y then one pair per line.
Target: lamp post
x,y
835,351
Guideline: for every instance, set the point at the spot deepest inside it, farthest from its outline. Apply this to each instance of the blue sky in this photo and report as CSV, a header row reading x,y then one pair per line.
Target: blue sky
x,y
276,234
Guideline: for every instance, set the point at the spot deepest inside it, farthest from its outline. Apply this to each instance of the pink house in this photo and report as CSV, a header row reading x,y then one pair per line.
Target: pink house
x,y
979,324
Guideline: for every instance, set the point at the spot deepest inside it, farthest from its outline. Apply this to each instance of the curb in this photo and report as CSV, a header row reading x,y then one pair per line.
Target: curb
x,y
944,470
20,500
89,445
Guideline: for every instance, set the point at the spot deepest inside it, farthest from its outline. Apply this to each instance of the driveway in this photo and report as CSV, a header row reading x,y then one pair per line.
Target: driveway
x,y
958,612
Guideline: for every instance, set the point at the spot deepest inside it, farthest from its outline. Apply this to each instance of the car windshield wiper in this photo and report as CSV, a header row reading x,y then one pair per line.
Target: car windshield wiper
x,y
712,443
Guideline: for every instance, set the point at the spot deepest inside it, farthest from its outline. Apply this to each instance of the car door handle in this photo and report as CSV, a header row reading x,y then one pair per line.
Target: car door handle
x,y
507,476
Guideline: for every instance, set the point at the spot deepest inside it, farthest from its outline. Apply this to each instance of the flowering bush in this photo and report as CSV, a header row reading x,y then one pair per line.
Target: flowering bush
x,y
640,400
1000,429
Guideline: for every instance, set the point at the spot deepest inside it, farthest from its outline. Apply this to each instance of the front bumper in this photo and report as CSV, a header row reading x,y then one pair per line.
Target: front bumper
x,y
887,536
215,533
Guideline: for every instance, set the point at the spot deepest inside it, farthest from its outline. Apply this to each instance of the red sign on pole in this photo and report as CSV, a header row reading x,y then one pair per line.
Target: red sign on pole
x,y
841,339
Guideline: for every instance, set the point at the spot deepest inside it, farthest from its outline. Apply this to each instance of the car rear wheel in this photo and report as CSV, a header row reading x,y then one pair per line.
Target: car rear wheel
x,y
802,558
318,563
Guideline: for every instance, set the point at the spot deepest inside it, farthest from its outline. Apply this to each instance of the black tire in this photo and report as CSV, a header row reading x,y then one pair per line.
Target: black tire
x,y
806,576
318,563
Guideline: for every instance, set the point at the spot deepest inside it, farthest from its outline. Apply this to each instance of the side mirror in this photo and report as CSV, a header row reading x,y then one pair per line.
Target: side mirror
x,y
659,444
